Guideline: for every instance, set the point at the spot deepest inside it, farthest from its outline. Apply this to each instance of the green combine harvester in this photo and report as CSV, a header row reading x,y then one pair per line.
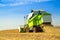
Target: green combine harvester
x,y
36,20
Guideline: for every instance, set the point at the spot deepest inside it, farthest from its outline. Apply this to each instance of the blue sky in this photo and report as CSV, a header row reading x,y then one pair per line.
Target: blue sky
x,y
12,12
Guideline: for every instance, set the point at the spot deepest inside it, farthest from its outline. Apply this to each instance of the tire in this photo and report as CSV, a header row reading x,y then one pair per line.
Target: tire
x,y
34,29
40,28
27,29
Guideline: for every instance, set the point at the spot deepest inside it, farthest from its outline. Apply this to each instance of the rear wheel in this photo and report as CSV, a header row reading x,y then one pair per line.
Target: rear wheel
x,y
40,28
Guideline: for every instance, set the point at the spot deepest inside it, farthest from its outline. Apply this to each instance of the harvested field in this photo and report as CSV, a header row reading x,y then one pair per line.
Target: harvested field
x,y
50,33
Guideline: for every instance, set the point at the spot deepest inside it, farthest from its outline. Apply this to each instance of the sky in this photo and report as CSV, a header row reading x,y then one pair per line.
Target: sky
x,y
12,12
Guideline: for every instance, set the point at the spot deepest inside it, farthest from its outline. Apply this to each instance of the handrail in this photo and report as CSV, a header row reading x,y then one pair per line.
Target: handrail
x,y
32,18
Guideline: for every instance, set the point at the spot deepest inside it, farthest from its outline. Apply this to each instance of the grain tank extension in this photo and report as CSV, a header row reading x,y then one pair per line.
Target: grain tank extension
x,y
36,20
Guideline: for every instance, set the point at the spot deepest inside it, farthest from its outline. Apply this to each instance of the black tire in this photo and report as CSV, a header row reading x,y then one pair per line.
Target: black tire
x,y
40,28
34,29
27,29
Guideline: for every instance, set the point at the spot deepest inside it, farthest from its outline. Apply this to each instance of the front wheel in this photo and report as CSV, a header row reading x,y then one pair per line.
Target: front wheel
x,y
34,29
27,29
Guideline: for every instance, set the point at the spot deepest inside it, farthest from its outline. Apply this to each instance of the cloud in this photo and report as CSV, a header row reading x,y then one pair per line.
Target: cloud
x,y
18,2
39,0
15,4
2,5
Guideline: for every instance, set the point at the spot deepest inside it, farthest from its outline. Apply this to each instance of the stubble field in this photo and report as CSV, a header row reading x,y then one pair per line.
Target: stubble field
x,y
50,33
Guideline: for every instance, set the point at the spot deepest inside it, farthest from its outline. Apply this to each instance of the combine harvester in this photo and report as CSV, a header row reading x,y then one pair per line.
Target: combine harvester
x,y
36,20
